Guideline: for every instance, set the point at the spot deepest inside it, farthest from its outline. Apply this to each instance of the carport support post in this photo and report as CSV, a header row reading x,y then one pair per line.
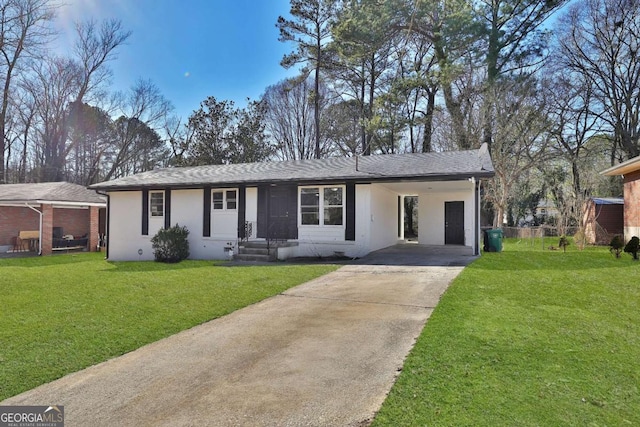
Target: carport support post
x,y
476,244
46,232
94,232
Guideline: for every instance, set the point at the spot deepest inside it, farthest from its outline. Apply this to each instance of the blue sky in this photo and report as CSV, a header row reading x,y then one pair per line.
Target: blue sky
x,y
192,49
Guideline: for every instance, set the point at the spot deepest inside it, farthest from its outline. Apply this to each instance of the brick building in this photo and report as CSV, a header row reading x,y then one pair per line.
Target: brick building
x,y
603,219
50,216
630,172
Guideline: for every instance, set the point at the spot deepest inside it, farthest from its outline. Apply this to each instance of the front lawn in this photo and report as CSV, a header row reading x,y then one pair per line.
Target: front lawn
x,y
528,338
62,313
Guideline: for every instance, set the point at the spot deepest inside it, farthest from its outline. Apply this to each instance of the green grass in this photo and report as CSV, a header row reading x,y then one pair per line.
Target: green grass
x,y
62,313
528,338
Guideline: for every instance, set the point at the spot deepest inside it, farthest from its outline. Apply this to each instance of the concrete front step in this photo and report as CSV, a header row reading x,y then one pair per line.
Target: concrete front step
x,y
255,251
258,251
253,257
263,244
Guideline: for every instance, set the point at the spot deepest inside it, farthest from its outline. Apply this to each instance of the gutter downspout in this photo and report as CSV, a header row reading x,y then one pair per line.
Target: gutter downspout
x,y
476,248
106,222
40,227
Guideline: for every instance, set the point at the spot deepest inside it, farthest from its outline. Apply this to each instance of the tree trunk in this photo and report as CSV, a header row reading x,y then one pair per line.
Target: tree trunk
x,y
316,100
428,124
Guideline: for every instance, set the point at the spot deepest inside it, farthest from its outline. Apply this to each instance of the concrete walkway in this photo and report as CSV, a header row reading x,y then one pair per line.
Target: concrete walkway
x,y
324,353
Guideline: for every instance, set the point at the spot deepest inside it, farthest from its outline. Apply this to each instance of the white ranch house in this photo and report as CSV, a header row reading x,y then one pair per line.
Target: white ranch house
x,y
350,206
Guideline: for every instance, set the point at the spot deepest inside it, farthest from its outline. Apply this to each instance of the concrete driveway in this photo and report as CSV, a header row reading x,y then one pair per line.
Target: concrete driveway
x,y
324,353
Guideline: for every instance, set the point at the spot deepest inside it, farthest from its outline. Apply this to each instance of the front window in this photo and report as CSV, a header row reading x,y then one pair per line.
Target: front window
x,y
310,206
218,200
231,200
333,206
156,203
224,200
321,205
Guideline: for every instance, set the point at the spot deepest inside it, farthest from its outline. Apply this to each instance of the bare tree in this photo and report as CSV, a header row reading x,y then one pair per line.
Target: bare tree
x,y
93,49
520,144
600,40
290,118
143,110
91,133
571,104
52,84
180,137
23,32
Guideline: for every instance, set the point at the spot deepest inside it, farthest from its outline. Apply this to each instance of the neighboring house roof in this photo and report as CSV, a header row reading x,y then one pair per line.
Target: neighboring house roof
x,y
454,165
50,193
608,200
623,168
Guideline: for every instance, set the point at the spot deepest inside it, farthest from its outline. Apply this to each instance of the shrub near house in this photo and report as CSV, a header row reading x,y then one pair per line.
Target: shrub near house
x,y
171,244
632,247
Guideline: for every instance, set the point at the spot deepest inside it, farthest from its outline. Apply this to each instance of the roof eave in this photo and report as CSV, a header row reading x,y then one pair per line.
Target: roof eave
x,y
357,179
623,168
50,202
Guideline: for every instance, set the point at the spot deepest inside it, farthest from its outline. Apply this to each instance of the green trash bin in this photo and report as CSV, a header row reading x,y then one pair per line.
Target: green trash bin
x,y
495,240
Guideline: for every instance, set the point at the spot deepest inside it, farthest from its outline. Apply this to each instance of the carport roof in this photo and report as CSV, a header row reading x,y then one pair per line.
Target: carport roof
x,y
453,165
50,193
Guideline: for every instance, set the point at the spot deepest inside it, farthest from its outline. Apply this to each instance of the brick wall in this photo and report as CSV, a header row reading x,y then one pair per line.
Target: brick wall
x,y
13,219
72,221
94,223
46,238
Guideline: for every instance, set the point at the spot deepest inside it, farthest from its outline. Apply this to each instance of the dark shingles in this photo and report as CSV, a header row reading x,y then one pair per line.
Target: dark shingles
x,y
427,166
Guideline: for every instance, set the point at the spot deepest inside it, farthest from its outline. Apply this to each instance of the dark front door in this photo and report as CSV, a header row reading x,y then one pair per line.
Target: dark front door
x,y
277,212
454,223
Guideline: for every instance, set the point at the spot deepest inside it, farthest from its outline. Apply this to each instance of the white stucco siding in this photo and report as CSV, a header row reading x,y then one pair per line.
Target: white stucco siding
x,y
224,225
125,227
186,210
383,218
431,215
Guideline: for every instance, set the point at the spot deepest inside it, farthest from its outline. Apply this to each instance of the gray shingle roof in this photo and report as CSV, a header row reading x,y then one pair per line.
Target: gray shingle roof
x,y
50,192
395,167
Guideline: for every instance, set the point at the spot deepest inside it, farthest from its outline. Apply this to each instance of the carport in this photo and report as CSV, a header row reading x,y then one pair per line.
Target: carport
x,y
34,210
415,254
448,212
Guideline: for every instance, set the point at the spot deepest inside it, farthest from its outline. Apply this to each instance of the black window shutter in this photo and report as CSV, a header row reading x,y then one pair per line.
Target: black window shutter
x,y
242,203
292,229
350,225
167,208
263,195
399,216
145,212
206,212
